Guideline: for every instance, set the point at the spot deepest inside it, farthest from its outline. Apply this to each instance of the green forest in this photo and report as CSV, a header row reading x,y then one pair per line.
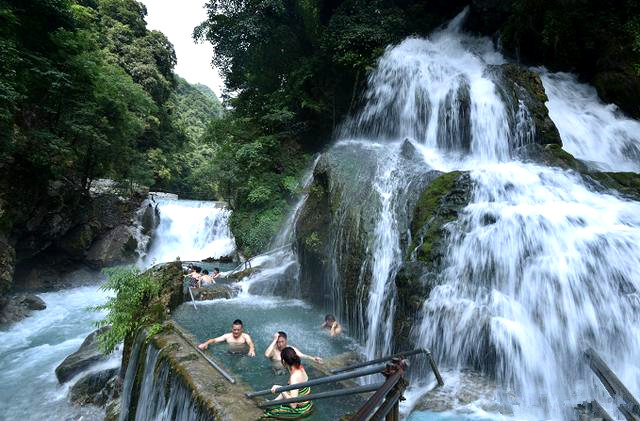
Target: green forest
x,y
91,93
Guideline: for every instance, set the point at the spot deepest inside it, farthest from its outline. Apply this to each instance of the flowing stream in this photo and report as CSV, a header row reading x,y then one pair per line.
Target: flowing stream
x,y
31,349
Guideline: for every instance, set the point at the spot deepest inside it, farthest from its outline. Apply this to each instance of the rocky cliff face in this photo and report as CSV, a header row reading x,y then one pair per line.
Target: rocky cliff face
x,y
66,229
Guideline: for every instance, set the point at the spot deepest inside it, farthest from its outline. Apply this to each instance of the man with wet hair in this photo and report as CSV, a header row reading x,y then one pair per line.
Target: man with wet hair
x,y
237,340
332,324
278,344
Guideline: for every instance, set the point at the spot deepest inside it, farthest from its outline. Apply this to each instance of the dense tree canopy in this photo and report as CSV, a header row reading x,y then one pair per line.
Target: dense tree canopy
x,y
86,91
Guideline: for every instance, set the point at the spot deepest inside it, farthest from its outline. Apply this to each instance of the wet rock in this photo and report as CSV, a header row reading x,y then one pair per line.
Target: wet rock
x,y
115,247
439,204
33,302
463,388
524,94
96,388
621,86
87,355
17,307
212,292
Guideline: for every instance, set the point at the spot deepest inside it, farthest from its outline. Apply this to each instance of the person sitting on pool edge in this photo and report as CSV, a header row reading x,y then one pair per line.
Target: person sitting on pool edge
x,y
278,344
237,339
291,361
330,323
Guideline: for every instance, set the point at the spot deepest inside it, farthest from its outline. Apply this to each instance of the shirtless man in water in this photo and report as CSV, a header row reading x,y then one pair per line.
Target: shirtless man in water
x,y
278,344
332,324
237,339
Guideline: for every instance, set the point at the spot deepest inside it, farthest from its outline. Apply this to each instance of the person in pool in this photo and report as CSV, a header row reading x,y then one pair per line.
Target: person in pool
x,y
291,361
330,323
279,343
237,340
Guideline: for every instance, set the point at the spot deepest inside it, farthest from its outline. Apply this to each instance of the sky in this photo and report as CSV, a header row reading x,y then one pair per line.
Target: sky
x,y
176,19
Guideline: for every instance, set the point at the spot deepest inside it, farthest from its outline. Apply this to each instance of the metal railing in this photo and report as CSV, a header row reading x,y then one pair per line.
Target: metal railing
x,y
383,404
625,401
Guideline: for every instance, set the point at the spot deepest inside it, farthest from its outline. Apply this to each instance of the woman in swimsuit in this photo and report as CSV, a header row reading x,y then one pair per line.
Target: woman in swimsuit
x,y
291,361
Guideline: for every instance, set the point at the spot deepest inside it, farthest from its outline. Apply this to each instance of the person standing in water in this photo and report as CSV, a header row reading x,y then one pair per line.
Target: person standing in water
x,y
297,374
330,323
237,340
279,343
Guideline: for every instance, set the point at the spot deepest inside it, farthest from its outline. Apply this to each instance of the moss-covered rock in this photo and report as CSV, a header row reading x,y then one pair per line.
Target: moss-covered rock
x,y
519,87
439,204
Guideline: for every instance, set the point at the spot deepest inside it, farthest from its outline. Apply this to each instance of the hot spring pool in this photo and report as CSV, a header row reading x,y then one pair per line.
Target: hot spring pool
x,y
262,317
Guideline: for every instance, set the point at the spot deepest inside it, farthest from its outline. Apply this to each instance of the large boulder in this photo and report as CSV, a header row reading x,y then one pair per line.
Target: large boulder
x,y
88,354
96,388
17,307
116,246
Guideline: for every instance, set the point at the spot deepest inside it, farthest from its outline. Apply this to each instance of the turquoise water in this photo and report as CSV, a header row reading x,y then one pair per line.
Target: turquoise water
x,y
262,317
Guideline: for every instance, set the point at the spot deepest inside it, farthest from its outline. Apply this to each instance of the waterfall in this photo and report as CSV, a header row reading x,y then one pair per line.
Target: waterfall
x,y
538,266
191,230
590,129
280,270
160,393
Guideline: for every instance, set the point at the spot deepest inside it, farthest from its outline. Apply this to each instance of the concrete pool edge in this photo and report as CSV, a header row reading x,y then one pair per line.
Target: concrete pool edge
x,y
209,389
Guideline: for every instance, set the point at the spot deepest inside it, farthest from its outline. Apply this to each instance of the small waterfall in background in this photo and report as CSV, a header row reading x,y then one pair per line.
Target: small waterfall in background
x,y
279,267
191,230
538,266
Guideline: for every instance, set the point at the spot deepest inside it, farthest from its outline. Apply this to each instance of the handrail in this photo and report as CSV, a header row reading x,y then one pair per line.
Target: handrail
x,y
629,407
323,395
381,360
320,380
374,401
432,362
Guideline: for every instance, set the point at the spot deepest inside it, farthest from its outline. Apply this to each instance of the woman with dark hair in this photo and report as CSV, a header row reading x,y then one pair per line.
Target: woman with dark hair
x,y
291,361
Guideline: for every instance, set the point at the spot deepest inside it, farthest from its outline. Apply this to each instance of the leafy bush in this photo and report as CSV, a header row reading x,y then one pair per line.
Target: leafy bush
x,y
128,308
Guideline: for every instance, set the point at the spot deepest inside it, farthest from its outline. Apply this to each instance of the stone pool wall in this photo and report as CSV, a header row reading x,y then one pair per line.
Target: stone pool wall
x,y
179,382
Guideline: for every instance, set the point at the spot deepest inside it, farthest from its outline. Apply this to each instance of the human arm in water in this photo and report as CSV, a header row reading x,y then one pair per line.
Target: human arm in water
x,y
336,329
308,357
217,340
252,349
269,352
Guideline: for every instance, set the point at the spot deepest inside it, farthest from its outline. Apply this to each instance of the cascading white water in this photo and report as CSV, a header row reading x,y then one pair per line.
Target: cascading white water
x,y
191,230
538,269
590,129
31,349
538,266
